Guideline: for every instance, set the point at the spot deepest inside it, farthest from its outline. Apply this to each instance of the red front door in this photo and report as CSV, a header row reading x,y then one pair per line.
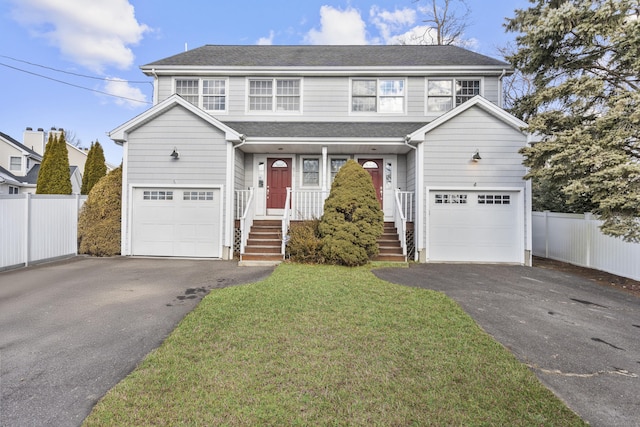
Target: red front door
x,y
278,179
374,167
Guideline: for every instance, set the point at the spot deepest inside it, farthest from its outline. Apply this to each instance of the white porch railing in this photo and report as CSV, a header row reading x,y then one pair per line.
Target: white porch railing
x,y
400,220
241,199
307,204
405,200
286,218
246,221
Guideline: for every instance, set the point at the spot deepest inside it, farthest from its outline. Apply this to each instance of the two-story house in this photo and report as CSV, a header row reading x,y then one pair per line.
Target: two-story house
x,y
241,134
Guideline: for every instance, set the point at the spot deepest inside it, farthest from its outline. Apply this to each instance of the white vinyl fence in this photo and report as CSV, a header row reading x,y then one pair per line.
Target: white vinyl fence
x,y
576,239
37,228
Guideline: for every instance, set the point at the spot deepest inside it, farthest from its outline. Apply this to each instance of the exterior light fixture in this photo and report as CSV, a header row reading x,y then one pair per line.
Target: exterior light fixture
x,y
175,155
476,156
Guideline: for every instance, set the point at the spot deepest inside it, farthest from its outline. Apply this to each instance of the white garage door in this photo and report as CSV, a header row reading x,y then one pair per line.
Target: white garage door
x,y
181,222
475,226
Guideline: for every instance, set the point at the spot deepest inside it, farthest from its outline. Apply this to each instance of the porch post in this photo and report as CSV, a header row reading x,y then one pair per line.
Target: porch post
x,y
323,170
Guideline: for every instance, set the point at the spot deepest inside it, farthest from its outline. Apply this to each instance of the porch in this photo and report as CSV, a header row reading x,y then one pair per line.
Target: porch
x,y
259,238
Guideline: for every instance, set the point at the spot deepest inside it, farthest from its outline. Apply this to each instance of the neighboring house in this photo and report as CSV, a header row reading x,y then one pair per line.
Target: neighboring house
x,y
9,183
239,134
23,160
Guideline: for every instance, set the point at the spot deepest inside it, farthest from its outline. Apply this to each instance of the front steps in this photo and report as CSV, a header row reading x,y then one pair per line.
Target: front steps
x,y
389,245
265,244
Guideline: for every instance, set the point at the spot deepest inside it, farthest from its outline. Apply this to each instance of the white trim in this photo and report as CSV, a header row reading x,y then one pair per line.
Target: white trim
x,y
120,134
477,101
521,209
131,188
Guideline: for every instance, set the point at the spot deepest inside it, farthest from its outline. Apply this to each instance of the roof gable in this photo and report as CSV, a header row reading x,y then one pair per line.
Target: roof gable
x,y
326,56
26,150
119,135
475,102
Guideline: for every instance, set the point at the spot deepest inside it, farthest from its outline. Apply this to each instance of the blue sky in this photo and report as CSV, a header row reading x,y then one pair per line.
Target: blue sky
x,y
108,40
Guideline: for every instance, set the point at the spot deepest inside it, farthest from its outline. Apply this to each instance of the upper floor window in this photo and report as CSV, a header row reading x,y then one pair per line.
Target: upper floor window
x,y
274,95
15,163
444,94
377,95
208,94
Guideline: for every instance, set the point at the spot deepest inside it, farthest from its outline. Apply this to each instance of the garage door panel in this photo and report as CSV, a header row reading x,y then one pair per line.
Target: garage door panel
x,y
181,222
474,226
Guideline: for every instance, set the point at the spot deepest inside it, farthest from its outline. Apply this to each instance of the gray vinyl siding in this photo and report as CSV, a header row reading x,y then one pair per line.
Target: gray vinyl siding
x,y
449,148
239,170
326,99
202,148
411,171
401,180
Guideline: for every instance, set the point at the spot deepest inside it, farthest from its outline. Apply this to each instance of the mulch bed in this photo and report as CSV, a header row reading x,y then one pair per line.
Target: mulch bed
x,y
600,277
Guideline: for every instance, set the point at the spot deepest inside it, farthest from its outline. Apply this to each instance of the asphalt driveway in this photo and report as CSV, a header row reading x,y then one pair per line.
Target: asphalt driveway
x,y
71,330
582,340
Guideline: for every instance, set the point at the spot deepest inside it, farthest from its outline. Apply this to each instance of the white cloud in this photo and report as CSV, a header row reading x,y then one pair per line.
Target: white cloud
x,y
266,40
338,27
127,95
389,23
92,33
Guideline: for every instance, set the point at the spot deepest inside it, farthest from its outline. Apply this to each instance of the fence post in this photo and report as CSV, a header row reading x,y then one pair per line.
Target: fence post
x,y
588,220
546,234
27,229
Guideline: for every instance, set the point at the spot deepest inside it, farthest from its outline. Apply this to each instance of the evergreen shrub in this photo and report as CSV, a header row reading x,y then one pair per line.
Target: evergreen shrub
x,y
352,221
99,221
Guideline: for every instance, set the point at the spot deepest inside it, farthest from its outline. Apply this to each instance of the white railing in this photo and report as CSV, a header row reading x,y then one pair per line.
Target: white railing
x,y
405,199
577,239
400,221
307,204
241,200
38,228
246,221
286,219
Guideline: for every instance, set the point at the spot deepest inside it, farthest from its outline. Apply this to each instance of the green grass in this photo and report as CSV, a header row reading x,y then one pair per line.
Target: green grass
x,y
318,345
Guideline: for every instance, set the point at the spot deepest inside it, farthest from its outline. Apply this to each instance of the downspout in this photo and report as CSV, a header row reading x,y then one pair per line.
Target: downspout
x,y
417,224
230,191
501,89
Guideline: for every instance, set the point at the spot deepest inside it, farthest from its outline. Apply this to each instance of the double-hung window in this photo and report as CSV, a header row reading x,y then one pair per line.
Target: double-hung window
x,y
208,94
274,95
377,95
444,94
310,172
15,163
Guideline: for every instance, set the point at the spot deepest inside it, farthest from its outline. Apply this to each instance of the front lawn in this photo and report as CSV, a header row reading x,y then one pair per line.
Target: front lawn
x,y
319,345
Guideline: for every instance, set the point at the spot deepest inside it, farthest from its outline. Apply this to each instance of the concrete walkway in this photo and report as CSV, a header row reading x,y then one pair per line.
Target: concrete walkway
x,y
71,330
582,340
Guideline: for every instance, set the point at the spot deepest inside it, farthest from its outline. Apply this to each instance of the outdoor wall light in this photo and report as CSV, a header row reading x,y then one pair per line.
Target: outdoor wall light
x,y
476,156
175,155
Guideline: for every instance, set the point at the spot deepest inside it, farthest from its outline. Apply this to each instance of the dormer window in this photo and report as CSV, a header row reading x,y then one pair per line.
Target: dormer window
x,y
208,94
377,95
444,94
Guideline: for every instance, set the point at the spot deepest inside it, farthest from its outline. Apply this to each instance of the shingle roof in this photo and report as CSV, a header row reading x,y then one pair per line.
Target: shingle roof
x,y
325,129
327,56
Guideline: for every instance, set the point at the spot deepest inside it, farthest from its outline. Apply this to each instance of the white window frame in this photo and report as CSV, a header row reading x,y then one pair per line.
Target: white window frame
x,y
200,91
274,95
14,190
452,98
11,165
332,158
302,183
379,96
